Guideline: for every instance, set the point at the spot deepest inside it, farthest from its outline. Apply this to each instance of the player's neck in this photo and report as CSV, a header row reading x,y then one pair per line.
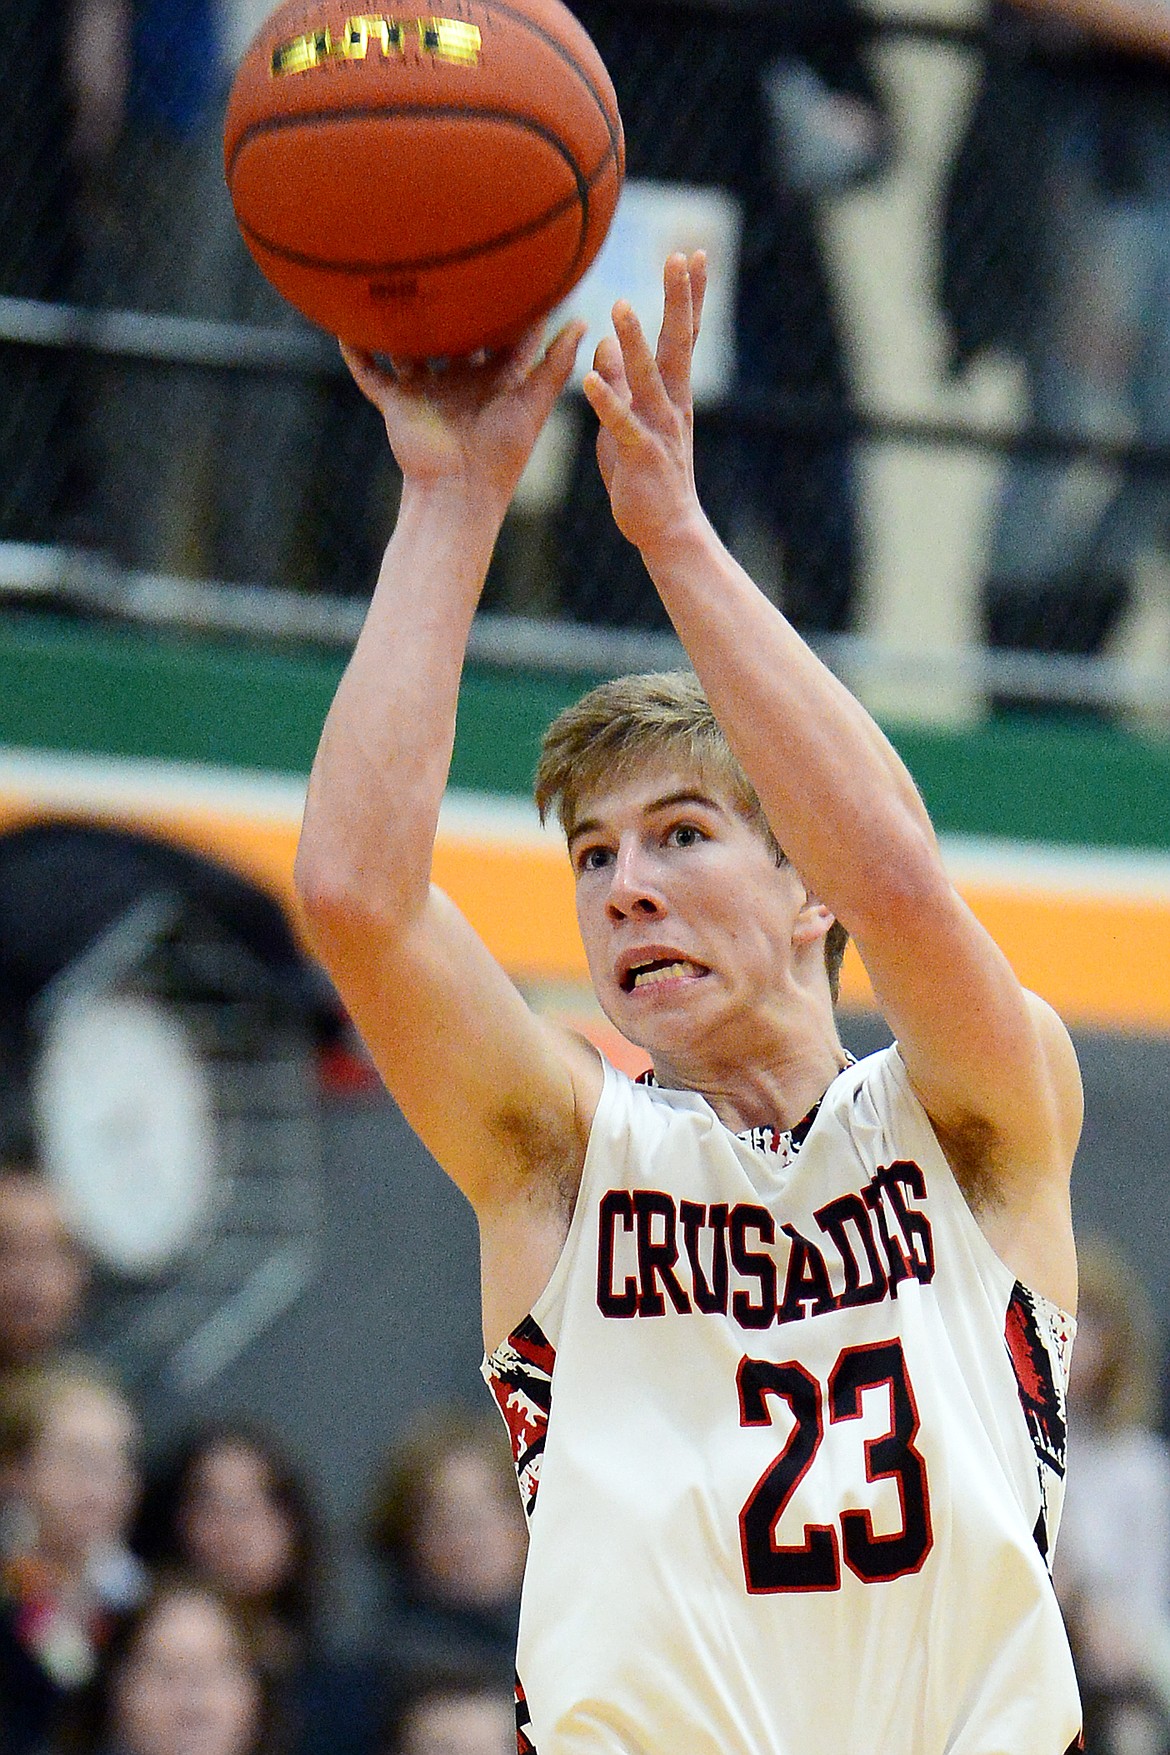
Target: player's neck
x,y
777,1091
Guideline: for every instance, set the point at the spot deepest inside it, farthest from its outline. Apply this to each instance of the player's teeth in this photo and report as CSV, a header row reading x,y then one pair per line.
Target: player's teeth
x,y
664,972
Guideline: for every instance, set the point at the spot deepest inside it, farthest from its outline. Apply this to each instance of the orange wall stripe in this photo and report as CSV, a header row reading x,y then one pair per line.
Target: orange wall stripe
x,y
1101,957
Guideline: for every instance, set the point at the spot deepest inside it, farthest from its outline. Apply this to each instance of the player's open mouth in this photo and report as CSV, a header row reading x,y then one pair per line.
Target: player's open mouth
x,y
658,970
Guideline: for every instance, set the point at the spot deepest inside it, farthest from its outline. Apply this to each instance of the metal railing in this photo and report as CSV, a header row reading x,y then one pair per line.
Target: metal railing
x,y
46,575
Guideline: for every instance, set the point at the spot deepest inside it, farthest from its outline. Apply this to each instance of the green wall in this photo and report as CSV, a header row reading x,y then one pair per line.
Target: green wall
x,y
69,686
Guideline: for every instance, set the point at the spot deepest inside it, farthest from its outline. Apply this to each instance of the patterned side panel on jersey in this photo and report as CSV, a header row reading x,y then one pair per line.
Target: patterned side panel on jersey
x,y
524,1743
519,1374
1039,1342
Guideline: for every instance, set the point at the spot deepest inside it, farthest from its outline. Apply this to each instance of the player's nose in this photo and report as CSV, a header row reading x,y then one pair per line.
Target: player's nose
x,y
633,888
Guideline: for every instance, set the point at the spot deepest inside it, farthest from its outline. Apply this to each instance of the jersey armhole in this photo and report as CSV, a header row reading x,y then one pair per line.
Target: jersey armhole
x,y
1060,1318
544,1310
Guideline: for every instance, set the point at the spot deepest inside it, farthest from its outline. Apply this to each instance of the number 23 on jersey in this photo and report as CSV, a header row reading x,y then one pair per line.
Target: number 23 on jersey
x,y
815,1562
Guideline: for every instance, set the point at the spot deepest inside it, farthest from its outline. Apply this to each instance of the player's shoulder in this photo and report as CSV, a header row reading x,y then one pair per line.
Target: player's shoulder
x,y
873,1102
640,1102
872,1083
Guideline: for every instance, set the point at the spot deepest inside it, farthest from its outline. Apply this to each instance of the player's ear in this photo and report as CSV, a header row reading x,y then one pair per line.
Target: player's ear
x,y
813,921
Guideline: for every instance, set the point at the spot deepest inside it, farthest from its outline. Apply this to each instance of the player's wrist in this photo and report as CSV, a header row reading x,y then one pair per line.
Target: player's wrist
x,y
446,531
684,539
456,500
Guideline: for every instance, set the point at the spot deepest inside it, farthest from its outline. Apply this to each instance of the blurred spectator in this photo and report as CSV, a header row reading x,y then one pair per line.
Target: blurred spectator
x,y
776,106
44,1274
198,470
454,1712
447,1528
178,1678
68,1441
1112,1569
231,1508
1057,245
43,1270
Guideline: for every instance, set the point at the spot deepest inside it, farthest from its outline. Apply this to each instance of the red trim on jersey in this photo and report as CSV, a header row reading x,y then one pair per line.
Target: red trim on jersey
x,y
519,1374
524,1743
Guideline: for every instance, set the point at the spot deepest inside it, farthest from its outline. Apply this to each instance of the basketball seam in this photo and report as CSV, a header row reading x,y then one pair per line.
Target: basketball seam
x,y
418,264
560,49
541,306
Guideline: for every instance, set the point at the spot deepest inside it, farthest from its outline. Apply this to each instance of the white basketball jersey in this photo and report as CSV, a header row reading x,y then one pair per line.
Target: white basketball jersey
x,y
791,1438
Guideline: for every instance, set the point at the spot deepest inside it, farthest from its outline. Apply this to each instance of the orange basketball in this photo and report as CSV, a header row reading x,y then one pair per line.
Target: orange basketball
x,y
423,186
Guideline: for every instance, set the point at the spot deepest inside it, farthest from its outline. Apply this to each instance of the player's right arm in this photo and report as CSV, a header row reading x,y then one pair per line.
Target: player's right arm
x,y
502,1098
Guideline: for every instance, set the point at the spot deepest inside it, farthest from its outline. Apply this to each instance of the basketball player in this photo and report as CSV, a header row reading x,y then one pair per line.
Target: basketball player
x,y
780,1338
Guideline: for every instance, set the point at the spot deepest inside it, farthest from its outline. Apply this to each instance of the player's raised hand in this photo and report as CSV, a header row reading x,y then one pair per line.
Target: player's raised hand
x,y
471,424
643,401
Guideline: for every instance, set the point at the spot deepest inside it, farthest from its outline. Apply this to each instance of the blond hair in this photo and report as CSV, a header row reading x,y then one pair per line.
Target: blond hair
x,y
625,724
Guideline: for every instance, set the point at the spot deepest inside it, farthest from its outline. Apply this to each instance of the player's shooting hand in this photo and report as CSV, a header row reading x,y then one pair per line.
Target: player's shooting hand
x,y
469,425
645,445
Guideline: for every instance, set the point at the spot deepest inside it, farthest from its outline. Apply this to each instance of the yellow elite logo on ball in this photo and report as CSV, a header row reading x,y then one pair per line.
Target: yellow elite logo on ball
x,y
445,39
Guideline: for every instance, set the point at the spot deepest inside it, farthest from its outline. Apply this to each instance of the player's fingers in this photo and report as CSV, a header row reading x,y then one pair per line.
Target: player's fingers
x,y
377,383
371,379
568,339
520,359
698,272
484,374
642,373
614,413
549,377
608,364
677,335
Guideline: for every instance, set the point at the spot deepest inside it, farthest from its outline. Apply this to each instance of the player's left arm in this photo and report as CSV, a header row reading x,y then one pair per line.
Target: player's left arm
x,y
992,1065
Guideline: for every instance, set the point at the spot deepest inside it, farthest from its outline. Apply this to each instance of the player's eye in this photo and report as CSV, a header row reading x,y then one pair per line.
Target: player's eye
x,y
685,835
593,858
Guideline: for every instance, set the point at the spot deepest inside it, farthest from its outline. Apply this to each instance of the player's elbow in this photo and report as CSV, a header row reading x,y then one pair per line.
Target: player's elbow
x,y
321,884
341,900
326,896
905,887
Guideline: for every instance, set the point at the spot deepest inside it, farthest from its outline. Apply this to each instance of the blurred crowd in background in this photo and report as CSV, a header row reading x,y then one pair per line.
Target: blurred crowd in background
x,y
1051,245
180,1602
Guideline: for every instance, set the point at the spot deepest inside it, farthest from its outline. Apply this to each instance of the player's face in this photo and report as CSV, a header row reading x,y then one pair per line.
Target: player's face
x,y
687,919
